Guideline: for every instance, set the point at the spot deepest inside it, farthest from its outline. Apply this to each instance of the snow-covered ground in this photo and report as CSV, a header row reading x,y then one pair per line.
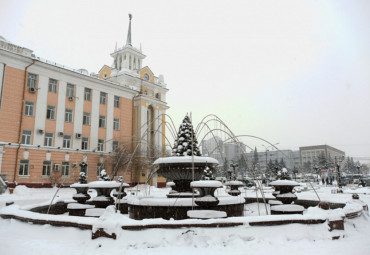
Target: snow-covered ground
x,y
23,238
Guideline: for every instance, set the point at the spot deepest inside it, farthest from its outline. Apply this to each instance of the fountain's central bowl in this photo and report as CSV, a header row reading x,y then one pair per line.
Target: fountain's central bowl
x,y
181,168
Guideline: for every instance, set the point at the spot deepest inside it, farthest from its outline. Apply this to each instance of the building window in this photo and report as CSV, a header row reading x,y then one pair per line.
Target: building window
x,y
48,140
101,121
85,143
50,113
100,145
46,168
146,77
103,97
116,101
86,118
31,81
69,116
26,136
70,90
53,85
28,111
66,141
87,94
23,167
116,124
115,145
65,168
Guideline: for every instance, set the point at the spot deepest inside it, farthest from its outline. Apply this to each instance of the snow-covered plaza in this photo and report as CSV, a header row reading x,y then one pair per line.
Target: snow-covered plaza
x,y
17,237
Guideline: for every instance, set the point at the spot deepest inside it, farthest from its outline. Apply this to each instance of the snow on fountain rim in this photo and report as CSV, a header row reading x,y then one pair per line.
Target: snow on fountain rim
x,y
289,194
104,184
206,214
163,201
206,184
287,208
79,185
234,183
284,183
185,159
79,206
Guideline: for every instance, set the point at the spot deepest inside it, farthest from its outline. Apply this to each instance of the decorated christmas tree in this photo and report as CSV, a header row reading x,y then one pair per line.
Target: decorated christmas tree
x,y
186,144
82,178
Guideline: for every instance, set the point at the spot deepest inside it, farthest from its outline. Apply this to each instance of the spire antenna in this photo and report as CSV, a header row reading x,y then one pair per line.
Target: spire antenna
x,y
128,41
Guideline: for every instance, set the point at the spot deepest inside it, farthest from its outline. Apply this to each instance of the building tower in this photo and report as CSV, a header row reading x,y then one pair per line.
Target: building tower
x,y
149,105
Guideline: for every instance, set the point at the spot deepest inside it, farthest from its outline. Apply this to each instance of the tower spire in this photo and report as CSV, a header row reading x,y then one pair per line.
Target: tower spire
x,y
128,41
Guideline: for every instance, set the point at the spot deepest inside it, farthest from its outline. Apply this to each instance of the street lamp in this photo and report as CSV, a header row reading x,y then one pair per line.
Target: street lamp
x,y
340,159
234,165
358,167
267,149
316,168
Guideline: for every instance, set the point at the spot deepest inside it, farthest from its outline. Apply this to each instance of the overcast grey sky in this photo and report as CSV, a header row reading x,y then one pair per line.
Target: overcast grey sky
x,y
293,72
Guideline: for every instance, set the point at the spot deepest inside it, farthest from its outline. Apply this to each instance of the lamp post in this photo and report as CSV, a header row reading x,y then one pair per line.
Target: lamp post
x,y
316,168
267,149
358,168
234,165
338,169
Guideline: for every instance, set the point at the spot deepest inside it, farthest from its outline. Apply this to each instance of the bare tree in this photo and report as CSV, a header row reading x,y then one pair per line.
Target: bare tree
x,y
140,161
55,178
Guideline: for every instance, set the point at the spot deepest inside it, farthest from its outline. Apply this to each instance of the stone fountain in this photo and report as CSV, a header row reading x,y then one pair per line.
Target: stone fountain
x,y
284,193
186,165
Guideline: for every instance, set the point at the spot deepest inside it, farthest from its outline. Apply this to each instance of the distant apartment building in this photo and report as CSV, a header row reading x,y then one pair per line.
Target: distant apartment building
x,y
290,158
309,153
216,148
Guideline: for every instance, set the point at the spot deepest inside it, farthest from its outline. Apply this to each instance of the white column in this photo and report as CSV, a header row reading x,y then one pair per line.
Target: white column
x,y
60,113
143,129
77,123
2,66
110,116
156,129
40,110
1,156
159,134
94,119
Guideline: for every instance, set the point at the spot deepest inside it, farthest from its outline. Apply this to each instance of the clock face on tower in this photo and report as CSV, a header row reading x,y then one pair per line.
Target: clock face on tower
x,y
146,76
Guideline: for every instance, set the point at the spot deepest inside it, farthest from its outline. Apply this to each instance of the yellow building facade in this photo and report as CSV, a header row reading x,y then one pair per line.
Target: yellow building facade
x,y
53,119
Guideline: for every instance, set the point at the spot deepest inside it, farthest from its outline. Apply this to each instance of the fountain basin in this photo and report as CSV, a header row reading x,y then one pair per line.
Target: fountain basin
x,y
180,170
287,209
81,196
176,208
103,189
234,187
